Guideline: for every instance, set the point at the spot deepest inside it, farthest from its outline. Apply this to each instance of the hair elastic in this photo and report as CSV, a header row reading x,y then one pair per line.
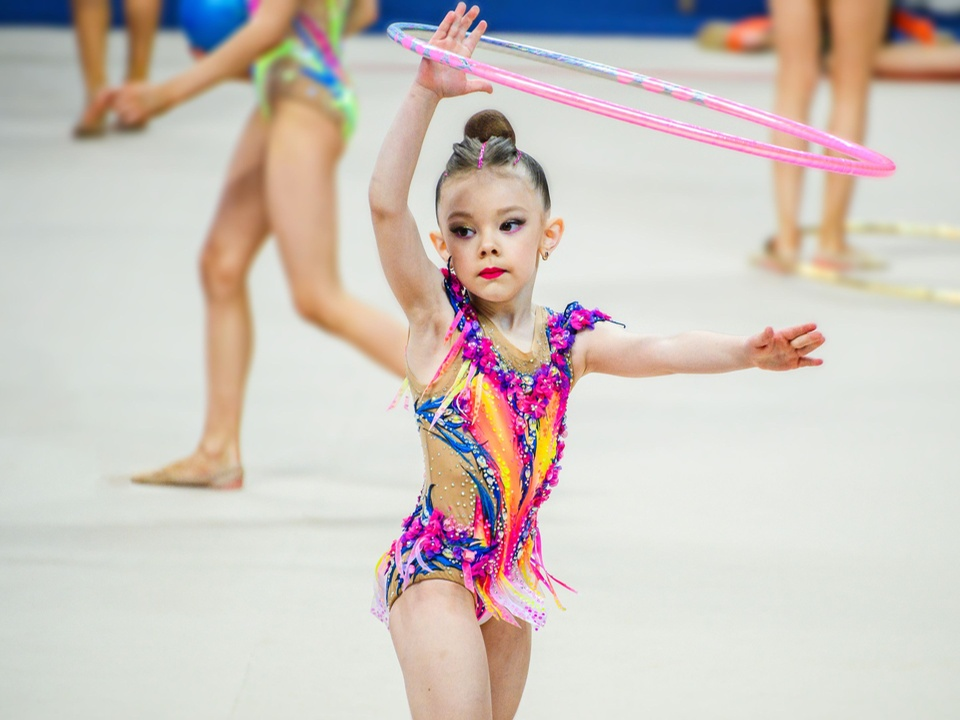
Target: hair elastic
x,y
483,147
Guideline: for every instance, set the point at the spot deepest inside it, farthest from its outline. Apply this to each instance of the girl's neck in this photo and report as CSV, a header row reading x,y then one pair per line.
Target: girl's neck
x,y
513,317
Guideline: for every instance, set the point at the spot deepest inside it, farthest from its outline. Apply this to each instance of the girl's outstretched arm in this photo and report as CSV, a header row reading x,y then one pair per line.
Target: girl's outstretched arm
x,y
412,277
611,350
138,102
363,13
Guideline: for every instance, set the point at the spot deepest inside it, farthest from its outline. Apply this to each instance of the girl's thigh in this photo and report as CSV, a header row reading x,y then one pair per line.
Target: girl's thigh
x,y
305,147
796,34
508,656
241,222
441,652
858,28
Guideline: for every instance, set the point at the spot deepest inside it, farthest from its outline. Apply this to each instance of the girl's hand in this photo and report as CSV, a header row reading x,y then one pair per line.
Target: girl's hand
x,y
451,35
138,102
785,349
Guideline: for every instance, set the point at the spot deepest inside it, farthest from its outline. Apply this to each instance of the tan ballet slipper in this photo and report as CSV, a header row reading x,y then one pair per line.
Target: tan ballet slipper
x,y
847,261
769,258
185,473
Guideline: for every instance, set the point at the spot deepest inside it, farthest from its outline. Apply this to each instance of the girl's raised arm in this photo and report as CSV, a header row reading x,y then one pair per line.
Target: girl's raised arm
x,y
138,102
410,273
614,351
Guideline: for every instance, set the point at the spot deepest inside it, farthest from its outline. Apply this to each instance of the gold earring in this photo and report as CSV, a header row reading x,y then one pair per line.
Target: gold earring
x,y
546,254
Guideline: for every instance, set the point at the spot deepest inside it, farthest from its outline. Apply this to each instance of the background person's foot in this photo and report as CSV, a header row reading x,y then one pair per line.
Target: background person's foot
x,y
847,260
93,121
197,470
775,260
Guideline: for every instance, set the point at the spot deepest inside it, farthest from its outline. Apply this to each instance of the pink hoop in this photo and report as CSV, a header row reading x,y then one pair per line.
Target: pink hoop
x,y
864,162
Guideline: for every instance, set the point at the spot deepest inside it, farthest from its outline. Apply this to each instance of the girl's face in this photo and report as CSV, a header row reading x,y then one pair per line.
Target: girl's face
x,y
493,228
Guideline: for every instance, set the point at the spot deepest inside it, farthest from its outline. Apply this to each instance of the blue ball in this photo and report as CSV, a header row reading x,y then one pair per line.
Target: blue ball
x,y
207,23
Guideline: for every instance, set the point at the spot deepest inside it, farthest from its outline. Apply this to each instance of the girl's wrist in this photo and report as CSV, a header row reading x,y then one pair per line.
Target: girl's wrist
x,y
422,92
166,96
748,358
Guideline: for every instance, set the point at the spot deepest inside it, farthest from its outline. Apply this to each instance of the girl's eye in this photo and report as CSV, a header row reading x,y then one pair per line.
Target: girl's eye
x,y
462,231
511,226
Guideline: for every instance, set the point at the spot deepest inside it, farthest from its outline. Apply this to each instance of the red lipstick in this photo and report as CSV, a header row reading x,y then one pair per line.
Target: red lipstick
x,y
491,273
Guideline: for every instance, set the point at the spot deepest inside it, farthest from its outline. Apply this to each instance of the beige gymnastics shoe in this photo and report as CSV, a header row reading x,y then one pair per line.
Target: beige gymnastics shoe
x,y
195,471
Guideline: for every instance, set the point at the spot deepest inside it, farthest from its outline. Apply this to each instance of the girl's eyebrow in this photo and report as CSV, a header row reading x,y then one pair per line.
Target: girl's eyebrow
x,y
458,214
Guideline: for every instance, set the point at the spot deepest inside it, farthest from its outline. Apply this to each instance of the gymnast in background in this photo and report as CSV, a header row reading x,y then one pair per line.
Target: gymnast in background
x,y
91,26
282,182
851,41
856,31
913,47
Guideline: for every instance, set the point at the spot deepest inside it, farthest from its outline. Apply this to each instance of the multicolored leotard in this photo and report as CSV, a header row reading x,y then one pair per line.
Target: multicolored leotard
x,y
306,65
492,423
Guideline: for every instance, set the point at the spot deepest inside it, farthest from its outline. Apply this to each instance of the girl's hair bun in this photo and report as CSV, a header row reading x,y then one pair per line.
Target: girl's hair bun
x,y
489,142
487,124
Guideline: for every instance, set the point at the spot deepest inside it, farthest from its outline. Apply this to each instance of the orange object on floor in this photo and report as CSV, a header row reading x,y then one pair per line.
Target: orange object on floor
x,y
749,34
914,26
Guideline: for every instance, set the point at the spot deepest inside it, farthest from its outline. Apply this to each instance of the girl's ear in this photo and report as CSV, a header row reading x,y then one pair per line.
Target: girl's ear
x,y
440,244
551,236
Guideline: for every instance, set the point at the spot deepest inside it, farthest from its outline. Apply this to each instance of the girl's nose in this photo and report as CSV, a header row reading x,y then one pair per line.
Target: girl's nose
x,y
488,246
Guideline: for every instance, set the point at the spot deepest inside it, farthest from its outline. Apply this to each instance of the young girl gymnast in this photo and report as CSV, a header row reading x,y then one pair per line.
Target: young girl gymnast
x,y
490,373
282,180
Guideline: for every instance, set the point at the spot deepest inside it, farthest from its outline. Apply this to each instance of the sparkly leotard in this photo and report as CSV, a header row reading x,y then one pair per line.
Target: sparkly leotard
x,y
306,66
491,423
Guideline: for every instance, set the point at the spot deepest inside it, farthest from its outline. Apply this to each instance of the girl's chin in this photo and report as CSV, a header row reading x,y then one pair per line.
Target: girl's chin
x,y
492,295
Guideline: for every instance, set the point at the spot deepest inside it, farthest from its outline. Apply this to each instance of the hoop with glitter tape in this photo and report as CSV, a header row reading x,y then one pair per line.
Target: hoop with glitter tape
x,y
945,296
861,161
939,232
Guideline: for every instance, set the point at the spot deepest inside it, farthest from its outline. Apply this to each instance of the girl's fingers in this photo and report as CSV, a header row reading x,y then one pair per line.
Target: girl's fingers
x,y
762,338
797,331
809,362
127,113
474,37
467,21
444,28
475,85
460,12
810,340
463,23
109,97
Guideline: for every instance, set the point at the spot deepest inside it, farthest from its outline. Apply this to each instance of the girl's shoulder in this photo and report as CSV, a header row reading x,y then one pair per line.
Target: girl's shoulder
x,y
564,326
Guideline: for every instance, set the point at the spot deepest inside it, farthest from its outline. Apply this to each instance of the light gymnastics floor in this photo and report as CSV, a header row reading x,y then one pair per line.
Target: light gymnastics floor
x,y
748,546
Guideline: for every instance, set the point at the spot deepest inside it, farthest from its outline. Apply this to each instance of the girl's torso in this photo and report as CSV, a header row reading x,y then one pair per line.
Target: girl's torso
x,y
491,424
306,66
